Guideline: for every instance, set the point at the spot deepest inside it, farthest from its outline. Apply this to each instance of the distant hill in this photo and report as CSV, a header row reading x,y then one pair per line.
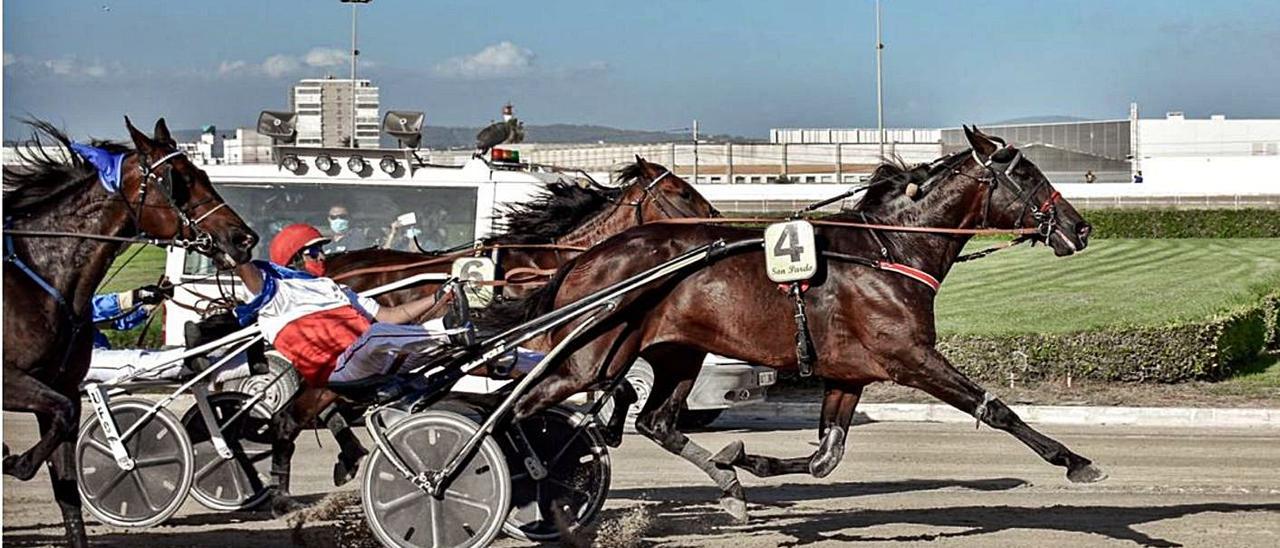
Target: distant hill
x,y
1040,120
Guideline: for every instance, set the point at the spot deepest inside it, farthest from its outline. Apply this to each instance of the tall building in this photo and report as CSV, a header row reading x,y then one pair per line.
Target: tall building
x,y
324,112
248,147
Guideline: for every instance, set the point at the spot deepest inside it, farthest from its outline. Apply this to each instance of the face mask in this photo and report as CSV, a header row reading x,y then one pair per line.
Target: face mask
x,y
412,233
315,268
339,225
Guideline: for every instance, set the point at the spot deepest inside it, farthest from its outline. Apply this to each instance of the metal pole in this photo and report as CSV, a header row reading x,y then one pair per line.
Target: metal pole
x,y
728,160
695,151
354,53
879,81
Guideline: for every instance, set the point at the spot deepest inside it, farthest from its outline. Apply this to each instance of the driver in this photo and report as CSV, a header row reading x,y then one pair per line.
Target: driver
x,y
323,328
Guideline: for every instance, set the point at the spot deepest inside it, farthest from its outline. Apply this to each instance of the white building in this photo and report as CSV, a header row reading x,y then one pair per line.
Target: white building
x,y
248,147
203,152
324,108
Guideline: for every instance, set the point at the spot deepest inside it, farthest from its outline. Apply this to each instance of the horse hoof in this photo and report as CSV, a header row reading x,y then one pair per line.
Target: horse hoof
x,y
345,471
1086,474
283,505
731,454
736,507
14,466
823,467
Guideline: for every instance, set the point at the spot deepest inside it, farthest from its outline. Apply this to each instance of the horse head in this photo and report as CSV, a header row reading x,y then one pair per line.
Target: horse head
x,y
659,193
170,197
1018,195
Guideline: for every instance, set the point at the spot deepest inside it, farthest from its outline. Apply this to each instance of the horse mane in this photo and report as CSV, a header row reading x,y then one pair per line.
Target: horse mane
x,y
554,212
886,190
42,179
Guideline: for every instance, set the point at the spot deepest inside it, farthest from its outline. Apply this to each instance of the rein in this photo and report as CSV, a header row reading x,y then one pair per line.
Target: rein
x,y
452,256
850,224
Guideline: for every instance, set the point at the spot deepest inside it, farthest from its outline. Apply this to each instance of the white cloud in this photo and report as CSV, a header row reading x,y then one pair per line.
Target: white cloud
x,y
326,57
229,67
9,59
280,65
62,67
500,60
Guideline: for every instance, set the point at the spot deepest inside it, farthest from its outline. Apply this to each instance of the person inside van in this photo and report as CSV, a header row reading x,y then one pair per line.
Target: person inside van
x,y
343,236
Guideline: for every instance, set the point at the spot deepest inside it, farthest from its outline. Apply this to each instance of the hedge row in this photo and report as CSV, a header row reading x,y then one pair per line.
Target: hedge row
x,y
1184,223
1160,223
1211,349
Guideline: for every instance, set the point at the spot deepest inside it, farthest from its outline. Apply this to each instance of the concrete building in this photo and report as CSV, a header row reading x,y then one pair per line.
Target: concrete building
x,y
207,150
248,147
324,107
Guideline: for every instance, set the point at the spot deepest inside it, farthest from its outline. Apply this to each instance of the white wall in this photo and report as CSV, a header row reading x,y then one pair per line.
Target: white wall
x,y
1215,175
1213,137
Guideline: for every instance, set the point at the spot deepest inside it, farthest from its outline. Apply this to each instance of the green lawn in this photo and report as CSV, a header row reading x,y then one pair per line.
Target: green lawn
x,y
1113,282
144,269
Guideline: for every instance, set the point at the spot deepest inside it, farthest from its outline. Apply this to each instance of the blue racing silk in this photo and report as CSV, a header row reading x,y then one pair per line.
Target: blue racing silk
x,y
107,163
106,307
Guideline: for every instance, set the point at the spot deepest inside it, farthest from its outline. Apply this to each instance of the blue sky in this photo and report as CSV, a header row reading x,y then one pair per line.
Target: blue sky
x,y
738,66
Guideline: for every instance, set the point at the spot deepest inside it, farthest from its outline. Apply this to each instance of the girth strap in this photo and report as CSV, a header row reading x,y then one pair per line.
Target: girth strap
x,y
804,341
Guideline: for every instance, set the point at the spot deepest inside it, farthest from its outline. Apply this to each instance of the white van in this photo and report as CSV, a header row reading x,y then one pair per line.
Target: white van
x,y
451,205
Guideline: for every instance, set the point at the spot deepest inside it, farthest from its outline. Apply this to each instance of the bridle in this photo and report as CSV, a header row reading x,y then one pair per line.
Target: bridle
x,y
1001,172
661,201
200,239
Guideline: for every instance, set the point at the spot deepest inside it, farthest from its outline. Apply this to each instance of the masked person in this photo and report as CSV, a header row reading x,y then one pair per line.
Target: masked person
x,y
344,237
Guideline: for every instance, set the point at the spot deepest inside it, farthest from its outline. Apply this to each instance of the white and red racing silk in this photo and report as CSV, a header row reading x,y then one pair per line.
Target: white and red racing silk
x,y
310,320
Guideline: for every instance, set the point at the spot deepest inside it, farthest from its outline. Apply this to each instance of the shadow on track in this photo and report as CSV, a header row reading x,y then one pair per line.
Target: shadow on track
x,y
688,512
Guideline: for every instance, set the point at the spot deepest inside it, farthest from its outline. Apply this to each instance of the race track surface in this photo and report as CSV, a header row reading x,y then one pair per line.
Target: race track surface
x,y
900,484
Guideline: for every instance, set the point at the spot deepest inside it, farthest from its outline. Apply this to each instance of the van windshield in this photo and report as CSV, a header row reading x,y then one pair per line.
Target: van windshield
x,y
441,217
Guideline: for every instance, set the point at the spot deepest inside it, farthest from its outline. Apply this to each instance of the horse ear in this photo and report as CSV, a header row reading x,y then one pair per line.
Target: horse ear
x,y
640,160
979,142
162,134
141,142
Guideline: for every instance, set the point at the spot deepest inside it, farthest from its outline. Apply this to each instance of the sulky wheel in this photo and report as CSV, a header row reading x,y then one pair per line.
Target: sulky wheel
x,y
238,482
571,476
278,390
473,508
157,484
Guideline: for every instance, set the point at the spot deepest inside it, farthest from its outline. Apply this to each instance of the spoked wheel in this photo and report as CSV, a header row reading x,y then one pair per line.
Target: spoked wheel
x,y
574,476
239,482
473,508
157,484
279,392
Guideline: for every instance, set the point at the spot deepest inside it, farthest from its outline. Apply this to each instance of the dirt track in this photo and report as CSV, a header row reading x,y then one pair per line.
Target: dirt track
x,y
899,484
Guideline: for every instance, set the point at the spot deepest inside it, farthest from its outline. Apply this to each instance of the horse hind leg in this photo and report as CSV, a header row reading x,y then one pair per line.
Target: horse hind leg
x,y
838,405
59,416
940,379
658,422
350,450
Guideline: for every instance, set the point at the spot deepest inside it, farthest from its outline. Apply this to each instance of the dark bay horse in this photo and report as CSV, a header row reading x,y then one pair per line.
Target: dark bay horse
x,y
868,324
536,237
49,280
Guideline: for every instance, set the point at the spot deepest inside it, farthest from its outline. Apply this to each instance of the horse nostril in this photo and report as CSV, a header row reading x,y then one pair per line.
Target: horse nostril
x,y
1083,230
244,241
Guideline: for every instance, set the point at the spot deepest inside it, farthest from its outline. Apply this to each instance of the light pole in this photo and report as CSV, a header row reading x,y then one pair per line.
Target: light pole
x,y
879,81
354,53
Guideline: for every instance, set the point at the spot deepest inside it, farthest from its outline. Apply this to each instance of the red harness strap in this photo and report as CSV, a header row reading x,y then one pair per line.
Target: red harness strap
x,y
1050,202
913,273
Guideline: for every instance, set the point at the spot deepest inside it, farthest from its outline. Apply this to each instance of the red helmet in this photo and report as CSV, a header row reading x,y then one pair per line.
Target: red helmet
x,y
292,239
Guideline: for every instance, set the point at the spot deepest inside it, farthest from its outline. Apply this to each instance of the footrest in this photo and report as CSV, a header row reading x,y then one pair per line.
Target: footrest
x,y
378,388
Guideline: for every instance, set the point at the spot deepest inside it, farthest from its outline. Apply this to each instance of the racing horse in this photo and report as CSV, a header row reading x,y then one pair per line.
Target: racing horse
x,y
536,238
870,307
68,217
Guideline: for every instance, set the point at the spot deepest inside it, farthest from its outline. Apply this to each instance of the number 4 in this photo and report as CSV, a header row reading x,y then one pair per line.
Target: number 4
x,y
789,244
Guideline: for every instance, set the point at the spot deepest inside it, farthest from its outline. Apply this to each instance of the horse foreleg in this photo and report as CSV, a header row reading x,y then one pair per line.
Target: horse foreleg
x,y
58,415
658,422
838,405
62,474
939,378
